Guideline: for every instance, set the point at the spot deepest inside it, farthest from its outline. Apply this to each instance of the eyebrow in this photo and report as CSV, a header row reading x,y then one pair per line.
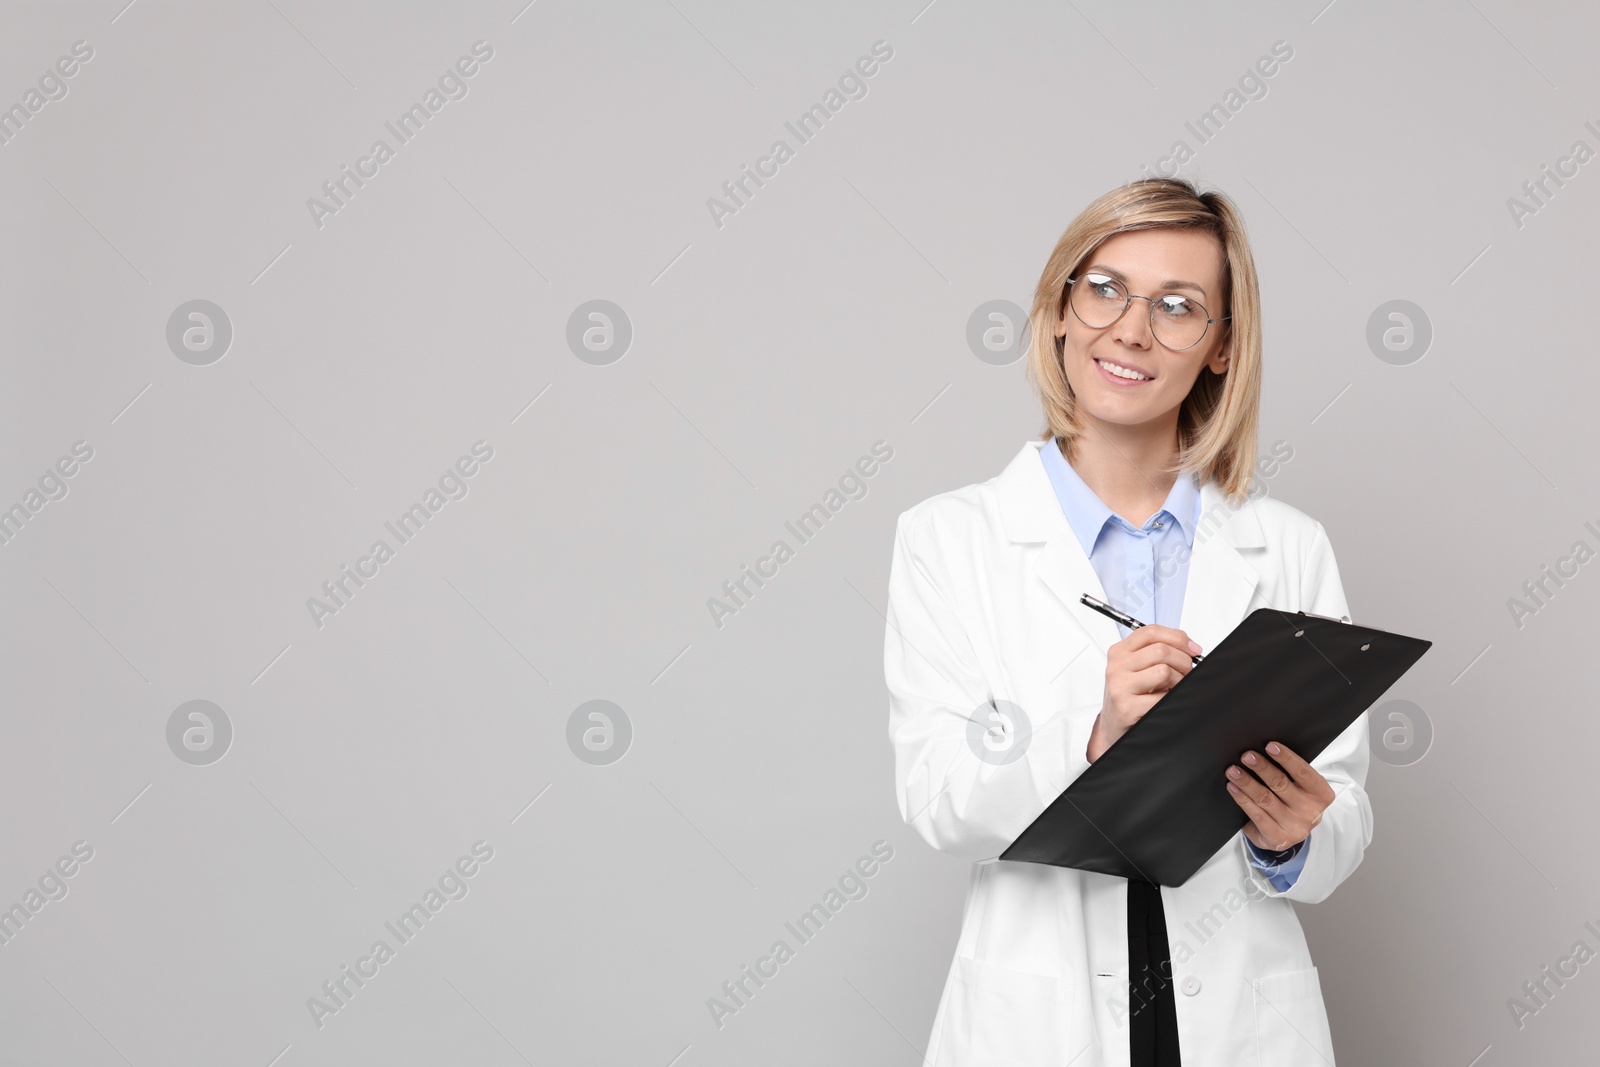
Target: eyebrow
x,y
1123,278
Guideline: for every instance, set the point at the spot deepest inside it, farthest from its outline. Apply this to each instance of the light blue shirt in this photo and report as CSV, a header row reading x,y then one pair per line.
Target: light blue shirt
x,y
1144,572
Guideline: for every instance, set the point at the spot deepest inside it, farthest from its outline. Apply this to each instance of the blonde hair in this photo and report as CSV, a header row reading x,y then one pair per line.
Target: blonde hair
x,y
1217,420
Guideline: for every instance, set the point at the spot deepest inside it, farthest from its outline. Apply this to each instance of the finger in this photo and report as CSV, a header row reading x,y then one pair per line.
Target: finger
x,y
1291,762
1159,653
1252,787
1300,809
1272,776
1309,778
1157,678
1266,826
1167,635
1294,808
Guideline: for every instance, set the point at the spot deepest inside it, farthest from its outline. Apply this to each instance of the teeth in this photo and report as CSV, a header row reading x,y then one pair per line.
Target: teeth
x,y
1123,372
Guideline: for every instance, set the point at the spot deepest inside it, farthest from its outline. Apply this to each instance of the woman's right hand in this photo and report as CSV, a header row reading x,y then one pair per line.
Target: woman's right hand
x,y
1139,670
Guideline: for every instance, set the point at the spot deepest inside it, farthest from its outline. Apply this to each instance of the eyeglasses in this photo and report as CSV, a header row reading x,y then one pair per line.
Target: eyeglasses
x,y
1178,322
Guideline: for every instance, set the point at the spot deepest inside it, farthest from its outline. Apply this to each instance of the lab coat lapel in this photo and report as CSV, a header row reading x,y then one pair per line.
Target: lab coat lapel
x,y
1067,572
1032,514
1221,580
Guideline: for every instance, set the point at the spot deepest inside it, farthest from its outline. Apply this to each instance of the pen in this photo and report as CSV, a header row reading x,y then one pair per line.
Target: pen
x,y
1112,613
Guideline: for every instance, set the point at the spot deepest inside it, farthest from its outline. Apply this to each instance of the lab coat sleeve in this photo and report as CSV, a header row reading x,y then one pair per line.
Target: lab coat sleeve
x,y
958,802
1336,844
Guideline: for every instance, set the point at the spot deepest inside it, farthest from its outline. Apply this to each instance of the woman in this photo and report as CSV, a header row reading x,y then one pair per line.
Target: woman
x,y
1146,352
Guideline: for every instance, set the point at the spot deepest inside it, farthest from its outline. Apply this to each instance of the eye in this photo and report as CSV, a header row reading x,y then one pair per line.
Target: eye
x,y
1178,307
1103,287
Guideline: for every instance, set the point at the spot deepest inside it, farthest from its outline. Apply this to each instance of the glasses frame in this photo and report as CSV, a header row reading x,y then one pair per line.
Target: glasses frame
x,y
1132,296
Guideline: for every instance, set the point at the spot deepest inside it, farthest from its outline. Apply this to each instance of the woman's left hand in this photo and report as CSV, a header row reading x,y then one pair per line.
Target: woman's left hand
x,y
1284,797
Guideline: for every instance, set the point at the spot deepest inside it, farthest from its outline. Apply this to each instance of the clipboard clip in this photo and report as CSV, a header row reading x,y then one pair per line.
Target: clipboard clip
x,y
1328,618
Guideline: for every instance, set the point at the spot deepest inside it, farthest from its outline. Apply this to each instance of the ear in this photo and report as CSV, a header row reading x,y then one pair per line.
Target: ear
x,y
1222,358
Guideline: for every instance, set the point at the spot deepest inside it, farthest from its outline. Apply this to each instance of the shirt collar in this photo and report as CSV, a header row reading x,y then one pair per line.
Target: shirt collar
x,y
1087,513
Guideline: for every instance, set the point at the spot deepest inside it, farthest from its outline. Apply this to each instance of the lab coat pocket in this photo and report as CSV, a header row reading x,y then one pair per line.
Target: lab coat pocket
x,y
1003,1017
1291,1021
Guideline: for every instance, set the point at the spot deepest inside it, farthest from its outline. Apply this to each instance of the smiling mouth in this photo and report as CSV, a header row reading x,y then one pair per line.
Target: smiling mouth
x,y
1121,373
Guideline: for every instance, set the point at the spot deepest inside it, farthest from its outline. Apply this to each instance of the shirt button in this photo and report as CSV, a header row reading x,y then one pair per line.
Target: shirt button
x,y
1190,985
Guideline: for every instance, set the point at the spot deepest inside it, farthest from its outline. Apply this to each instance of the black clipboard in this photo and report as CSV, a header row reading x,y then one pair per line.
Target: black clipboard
x,y
1155,805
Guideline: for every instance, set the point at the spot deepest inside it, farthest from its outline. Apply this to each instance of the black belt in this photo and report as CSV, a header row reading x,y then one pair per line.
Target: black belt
x,y
1152,1009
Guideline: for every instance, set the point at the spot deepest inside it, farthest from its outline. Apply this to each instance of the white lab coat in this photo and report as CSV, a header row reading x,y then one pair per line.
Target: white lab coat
x,y
983,606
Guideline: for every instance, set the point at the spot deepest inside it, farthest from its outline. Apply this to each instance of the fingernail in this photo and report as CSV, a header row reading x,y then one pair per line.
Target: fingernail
x,y
1234,772
1194,648
1272,747
1250,758
1232,788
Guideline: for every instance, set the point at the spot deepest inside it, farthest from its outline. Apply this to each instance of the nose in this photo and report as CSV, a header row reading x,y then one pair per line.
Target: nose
x,y
1133,327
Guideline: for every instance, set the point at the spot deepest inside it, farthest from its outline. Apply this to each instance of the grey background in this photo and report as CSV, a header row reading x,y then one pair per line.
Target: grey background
x,y
767,356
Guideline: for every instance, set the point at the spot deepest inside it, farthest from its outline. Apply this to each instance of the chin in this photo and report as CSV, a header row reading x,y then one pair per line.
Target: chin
x,y
1123,411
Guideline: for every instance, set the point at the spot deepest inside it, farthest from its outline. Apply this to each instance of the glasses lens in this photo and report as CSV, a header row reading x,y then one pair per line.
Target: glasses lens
x,y
1098,300
1177,321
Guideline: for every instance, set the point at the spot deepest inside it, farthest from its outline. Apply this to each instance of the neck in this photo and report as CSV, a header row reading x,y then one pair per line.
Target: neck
x,y
1124,465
